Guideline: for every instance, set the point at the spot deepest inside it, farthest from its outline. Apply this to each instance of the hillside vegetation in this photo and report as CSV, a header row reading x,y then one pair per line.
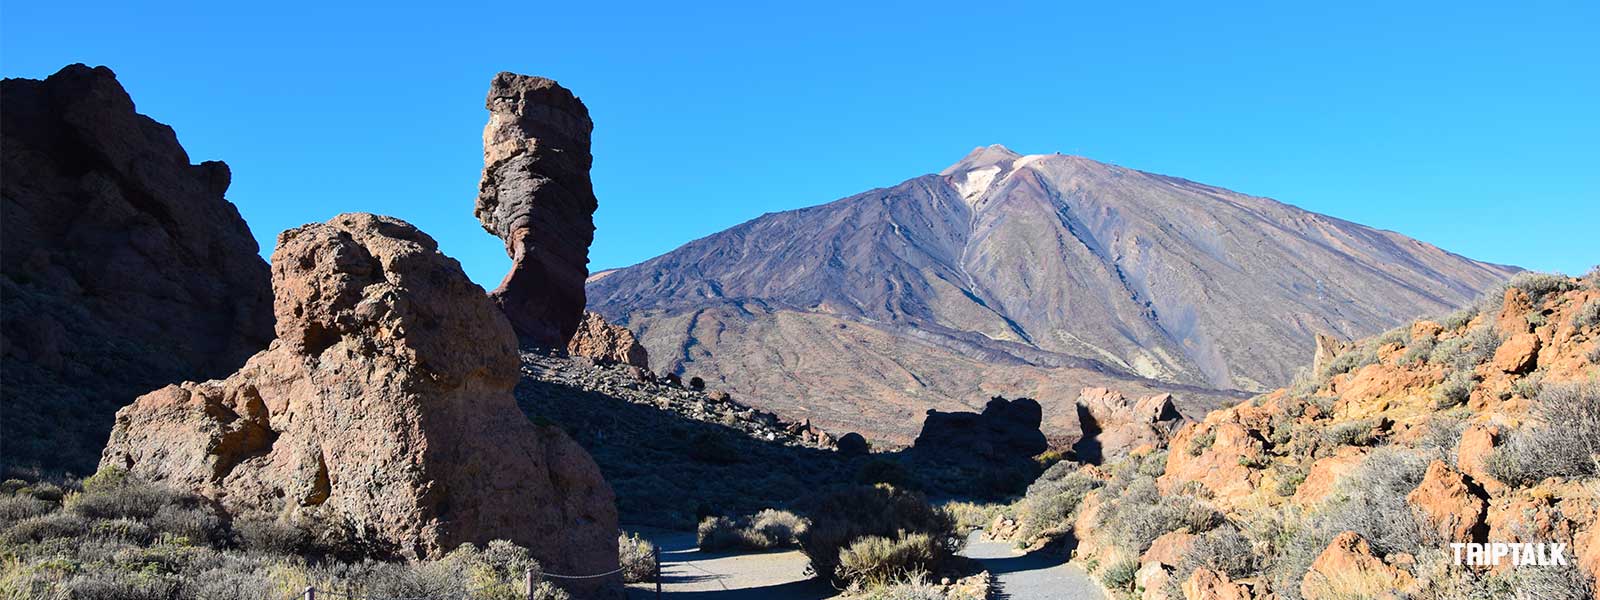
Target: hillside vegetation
x,y
1483,425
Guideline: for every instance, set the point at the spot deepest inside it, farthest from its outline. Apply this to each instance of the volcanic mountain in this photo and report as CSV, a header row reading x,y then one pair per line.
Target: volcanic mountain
x,y
1022,275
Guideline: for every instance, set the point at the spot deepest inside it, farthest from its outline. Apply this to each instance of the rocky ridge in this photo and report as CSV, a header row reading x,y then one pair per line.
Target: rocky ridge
x,y
123,267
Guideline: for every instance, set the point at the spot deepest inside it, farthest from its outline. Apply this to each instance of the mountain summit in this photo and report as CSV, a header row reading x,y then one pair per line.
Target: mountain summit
x,y
1022,275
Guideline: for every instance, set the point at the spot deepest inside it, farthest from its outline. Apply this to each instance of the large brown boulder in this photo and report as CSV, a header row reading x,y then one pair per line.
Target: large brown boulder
x,y
1006,431
122,266
1348,568
386,402
605,343
536,196
1113,426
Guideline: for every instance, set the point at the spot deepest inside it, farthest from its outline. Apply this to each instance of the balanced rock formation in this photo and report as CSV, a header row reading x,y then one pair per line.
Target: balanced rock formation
x,y
1006,431
122,265
535,195
606,343
1112,426
386,401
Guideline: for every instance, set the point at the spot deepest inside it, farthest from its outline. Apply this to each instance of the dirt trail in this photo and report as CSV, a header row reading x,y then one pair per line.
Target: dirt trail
x,y
687,573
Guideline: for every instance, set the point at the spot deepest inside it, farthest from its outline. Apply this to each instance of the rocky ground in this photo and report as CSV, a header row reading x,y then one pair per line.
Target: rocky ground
x,y
675,454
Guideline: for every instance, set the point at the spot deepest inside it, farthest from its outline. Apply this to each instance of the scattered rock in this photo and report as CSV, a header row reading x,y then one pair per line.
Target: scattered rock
x,y
1513,317
1169,549
1478,441
1153,578
1206,584
385,402
1518,354
606,343
1325,473
536,196
853,444
1348,568
125,268
1447,502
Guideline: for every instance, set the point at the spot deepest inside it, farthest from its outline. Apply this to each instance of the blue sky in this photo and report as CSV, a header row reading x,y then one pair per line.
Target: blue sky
x,y
1469,125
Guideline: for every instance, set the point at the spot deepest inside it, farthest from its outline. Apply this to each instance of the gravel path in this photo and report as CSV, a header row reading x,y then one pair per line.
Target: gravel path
x,y
1031,576
687,573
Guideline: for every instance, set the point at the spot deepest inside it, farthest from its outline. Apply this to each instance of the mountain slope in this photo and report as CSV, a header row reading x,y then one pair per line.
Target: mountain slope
x,y
1022,275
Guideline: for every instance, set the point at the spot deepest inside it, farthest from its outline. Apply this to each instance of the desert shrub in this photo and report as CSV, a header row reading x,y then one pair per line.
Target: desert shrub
x,y
1349,433
1140,514
915,587
1324,404
17,508
969,516
840,518
1153,464
1539,285
1588,315
883,470
1565,442
101,585
1289,479
782,527
768,529
1371,502
1419,350
719,533
47,526
1399,335
873,561
1119,575
1224,550
1458,319
1050,504
1528,386
1455,390
271,536
1202,442
637,557
1443,433
1351,360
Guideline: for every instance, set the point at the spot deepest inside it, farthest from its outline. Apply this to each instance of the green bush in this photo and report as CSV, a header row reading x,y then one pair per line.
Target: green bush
x,y
768,529
840,518
1539,285
1224,550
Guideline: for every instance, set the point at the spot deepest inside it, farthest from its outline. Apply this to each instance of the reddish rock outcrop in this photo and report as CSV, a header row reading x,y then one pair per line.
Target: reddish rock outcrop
x,y
124,267
386,401
1206,584
536,196
1448,504
605,343
1518,354
1348,568
1112,426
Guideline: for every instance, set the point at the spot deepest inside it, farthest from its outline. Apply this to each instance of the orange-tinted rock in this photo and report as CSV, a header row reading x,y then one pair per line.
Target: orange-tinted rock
x,y
1513,317
1518,354
1206,584
385,402
1348,568
1478,441
1328,348
606,343
1153,579
1424,328
1218,466
1169,549
1449,506
1325,474
536,196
